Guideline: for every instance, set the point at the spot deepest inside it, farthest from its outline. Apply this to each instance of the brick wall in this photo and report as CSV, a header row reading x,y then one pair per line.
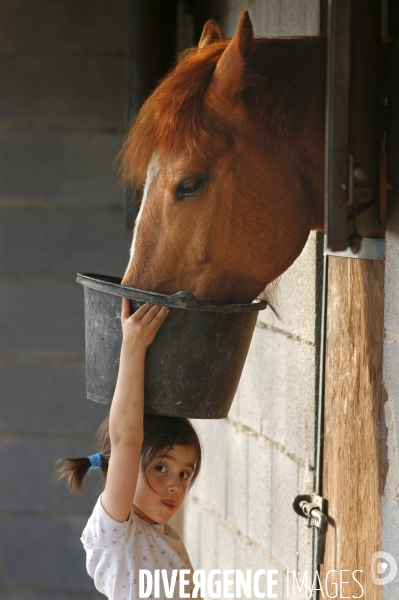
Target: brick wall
x,y
62,118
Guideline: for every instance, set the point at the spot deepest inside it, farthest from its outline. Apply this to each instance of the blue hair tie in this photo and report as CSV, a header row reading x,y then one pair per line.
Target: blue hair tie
x,y
96,460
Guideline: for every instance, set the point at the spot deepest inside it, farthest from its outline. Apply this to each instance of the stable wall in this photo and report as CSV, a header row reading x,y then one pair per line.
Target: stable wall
x,y
239,514
62,119
390,496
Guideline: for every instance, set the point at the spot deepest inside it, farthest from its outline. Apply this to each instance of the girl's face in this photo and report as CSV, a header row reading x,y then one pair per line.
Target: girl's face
x,y
159,497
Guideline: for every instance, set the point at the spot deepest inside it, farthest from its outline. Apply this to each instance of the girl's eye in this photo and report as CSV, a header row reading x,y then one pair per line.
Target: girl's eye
x,y
185,475
161,468
188,188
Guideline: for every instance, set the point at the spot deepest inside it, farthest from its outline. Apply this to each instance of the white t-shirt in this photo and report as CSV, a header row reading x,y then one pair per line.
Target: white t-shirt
x,y
115,552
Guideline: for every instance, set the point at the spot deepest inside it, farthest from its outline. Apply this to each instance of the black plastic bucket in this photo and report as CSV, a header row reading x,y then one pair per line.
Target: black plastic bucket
x,y
193,366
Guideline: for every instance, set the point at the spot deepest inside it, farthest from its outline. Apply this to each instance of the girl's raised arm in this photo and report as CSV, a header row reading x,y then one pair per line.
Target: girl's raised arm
x,y
126,414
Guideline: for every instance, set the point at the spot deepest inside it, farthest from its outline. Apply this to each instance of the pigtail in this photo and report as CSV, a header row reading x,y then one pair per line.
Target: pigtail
x,y
74,470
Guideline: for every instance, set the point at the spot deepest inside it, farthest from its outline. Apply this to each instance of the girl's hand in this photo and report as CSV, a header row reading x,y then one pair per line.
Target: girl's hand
x,y
140,328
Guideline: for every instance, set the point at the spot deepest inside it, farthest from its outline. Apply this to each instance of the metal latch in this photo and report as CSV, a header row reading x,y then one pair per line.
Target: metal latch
x,y
314,509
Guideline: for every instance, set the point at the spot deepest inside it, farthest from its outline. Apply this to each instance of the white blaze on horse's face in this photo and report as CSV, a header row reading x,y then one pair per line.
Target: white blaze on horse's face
x,y
152,171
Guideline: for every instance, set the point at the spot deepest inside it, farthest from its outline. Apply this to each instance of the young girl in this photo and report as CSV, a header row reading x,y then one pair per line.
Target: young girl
x,y
148,471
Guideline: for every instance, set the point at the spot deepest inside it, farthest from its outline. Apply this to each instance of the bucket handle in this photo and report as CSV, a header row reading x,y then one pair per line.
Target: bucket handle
x,y
182,299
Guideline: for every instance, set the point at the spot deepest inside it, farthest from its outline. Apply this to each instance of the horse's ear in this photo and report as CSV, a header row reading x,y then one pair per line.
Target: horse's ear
x,y
229,76
211,32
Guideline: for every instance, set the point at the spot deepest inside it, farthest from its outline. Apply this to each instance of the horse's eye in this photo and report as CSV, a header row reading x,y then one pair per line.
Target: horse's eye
x,y
190,187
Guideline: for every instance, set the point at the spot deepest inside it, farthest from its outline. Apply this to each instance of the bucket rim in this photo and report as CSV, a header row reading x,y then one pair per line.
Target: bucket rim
x,y
183,300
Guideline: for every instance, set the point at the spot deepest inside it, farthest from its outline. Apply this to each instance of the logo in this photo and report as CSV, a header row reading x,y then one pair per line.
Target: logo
x,y
383,568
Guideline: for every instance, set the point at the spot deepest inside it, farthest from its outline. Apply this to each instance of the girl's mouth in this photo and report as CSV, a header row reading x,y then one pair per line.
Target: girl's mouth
x,y
169,504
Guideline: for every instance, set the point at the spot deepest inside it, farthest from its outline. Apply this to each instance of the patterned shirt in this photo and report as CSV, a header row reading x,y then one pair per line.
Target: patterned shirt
x,y
115,553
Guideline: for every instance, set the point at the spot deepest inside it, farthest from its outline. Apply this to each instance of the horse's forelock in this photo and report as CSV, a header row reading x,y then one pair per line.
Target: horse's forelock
x,y
282,81
172,118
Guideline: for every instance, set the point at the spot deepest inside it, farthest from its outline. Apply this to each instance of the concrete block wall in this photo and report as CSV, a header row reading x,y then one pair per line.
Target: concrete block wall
x,y
390,497
239,513
262,455
62,119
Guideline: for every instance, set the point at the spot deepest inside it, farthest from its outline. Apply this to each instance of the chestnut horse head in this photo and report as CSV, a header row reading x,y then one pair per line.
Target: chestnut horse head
x,y
227,155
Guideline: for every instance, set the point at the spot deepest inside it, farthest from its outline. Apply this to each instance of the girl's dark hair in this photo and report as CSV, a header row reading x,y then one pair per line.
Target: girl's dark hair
x,y
160,433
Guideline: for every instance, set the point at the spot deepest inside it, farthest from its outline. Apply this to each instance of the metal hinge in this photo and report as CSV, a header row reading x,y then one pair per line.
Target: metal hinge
x,y
314,509
372,248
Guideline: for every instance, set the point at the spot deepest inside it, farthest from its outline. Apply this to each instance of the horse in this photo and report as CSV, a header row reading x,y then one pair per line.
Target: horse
x,y
226,157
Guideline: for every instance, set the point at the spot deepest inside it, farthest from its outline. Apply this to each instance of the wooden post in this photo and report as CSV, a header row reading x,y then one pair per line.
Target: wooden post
x,y
354,477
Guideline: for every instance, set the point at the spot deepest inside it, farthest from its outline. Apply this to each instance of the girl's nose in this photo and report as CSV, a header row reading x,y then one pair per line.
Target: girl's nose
x,y
174,484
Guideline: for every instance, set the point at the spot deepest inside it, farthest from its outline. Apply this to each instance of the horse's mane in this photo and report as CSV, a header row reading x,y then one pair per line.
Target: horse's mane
x,y
284,85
